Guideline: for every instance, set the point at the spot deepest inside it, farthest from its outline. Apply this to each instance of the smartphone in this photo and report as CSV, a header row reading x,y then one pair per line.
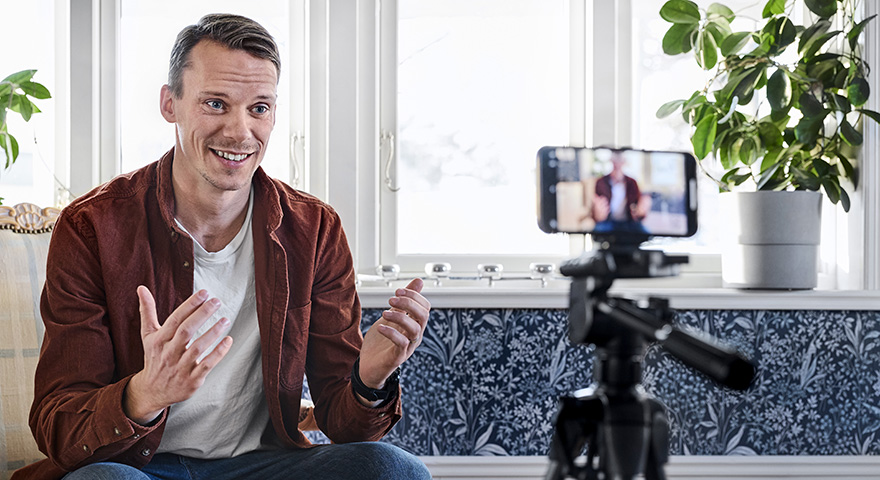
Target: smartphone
x,y
617,191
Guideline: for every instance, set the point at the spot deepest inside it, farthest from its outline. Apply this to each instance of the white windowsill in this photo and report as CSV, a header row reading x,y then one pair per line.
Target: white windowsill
x,y
708,295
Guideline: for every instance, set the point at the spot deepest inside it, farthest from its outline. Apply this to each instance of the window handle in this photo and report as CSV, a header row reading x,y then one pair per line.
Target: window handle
x,y
386,139
296,139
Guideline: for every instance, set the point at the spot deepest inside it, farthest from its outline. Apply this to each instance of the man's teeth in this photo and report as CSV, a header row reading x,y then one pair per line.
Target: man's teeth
x,y
232,156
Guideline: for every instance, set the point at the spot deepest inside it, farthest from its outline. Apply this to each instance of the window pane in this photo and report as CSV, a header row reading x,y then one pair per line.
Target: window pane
x,y
660,78
147,34
482,85
28,47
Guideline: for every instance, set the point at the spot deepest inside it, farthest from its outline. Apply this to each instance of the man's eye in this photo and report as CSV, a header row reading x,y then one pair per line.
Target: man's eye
x,y
215,104
261,109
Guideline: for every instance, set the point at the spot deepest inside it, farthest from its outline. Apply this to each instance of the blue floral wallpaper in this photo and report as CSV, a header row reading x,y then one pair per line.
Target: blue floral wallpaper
x,y
486,382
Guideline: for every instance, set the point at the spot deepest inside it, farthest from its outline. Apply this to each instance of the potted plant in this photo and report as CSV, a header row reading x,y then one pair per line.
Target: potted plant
x,y
16,92
781,113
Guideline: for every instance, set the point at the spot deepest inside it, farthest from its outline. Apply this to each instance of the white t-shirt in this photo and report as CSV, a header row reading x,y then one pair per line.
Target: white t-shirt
x,y
228,414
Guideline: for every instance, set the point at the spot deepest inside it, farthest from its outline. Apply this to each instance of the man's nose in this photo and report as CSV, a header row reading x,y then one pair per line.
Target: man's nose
x,y
238,126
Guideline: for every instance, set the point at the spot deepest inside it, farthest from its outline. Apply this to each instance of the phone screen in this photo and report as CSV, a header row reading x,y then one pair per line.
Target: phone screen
x,y
617,191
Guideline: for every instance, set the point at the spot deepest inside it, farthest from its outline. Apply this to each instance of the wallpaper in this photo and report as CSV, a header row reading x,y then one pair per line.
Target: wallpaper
x,y
487,382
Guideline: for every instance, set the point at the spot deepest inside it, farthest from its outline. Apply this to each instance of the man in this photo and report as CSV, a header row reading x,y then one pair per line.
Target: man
x,y
618,204
143,374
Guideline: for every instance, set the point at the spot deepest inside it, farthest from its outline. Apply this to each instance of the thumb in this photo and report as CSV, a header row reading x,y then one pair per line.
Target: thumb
x,y
147,308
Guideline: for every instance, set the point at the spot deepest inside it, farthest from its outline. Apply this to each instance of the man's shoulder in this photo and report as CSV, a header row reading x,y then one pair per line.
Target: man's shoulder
x,y
126,188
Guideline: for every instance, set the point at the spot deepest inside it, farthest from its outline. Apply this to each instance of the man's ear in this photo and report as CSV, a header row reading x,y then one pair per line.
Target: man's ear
x,y
166,104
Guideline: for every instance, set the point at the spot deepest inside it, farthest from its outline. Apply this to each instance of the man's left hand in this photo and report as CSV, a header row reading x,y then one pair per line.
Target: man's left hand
x,y
394,337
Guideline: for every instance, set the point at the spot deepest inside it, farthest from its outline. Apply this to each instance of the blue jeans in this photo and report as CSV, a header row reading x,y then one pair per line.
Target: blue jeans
x,y
355,461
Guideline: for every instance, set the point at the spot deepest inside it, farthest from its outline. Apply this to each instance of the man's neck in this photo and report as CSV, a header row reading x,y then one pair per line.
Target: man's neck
x,y
212,220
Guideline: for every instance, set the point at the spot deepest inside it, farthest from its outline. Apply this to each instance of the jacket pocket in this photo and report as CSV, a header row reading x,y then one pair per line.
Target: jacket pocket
x,y
294,346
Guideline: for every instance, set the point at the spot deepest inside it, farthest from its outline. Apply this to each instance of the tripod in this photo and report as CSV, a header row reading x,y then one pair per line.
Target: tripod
x,y
625,430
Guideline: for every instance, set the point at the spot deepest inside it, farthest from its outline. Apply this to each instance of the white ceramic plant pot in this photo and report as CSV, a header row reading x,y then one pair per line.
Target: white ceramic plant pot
x,y
774,240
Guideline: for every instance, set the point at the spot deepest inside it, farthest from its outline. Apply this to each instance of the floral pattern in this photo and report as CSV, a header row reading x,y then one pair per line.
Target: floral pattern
x,y
487,382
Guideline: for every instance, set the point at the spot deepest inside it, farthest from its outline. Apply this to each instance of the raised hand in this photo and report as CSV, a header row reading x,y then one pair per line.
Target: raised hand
x,y
395,336
173,370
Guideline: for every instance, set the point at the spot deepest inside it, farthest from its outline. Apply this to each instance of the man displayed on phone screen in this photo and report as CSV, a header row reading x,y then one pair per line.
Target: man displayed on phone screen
x,y
618,204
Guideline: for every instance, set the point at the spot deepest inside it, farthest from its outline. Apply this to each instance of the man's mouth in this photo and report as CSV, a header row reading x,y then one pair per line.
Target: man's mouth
x,y
234,157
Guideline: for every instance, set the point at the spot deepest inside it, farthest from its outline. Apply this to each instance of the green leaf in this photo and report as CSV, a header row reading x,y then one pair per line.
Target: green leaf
x,y
832,189
805,179
770,135
779,89
844,200
807,130
677,38
669,108
822,8
744,84
810,106
734,43
717,9
811,33
858,91
35,90
849,134
870,114
853,35
813,48
20,77
680,11
720,29
748,151
844,163
785,33
704,136
10,146
706,50
841,103
821,166
773,7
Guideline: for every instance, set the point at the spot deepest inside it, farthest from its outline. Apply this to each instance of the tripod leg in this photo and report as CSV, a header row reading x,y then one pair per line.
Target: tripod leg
x,y
575,425
658,450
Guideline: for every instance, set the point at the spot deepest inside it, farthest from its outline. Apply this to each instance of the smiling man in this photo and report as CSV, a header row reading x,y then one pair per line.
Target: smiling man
x,y
185,302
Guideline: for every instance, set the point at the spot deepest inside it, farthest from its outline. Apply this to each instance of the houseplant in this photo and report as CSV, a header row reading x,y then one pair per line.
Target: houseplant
x,y
16,92
784,103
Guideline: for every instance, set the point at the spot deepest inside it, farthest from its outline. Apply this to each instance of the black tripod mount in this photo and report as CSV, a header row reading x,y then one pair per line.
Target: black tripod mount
x,y
623,429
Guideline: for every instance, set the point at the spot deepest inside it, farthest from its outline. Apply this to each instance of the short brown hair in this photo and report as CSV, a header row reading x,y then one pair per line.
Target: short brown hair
x,y
231,31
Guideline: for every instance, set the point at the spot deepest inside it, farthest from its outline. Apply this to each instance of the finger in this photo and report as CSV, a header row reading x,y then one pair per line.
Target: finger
x,y
212,359
206,341
416,285
416,306
188,329
147,309
396,337
413,294
183,311
403,323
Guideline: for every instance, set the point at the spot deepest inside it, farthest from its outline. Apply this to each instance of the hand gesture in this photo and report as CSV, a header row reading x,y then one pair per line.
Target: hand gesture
x,y
394,337
173,370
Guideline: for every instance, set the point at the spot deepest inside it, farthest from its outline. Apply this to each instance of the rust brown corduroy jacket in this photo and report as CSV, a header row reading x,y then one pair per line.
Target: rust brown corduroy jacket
x,y
122,234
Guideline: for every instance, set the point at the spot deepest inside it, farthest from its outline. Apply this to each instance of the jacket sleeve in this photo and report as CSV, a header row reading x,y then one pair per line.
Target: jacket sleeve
x,y
335,340
77,416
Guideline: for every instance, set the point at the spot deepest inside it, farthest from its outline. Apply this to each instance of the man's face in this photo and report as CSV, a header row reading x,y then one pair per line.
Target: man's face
x,y
223,118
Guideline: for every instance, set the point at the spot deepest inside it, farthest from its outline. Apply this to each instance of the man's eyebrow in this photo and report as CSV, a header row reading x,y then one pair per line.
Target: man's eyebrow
x,y
265,97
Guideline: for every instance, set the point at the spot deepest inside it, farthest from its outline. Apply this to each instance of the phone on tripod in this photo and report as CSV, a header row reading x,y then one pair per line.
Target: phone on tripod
x,y
617,191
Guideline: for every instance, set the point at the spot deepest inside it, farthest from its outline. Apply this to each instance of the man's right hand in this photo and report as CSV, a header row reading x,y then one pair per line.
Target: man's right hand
x,y
172,372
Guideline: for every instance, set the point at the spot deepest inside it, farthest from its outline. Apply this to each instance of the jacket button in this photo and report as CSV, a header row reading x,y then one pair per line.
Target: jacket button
x,y
173,235
117,432
85,448
381,415
137,436
185,264
145,452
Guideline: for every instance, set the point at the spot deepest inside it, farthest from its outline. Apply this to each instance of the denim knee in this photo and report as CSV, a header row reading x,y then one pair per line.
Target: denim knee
x,y
390,462
106,471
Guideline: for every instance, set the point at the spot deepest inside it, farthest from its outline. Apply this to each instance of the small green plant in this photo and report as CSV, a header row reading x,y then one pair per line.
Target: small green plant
x,y
784,105
15,93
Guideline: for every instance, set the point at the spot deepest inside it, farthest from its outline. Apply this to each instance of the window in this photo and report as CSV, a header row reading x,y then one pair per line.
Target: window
x,y
31,178
480,87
